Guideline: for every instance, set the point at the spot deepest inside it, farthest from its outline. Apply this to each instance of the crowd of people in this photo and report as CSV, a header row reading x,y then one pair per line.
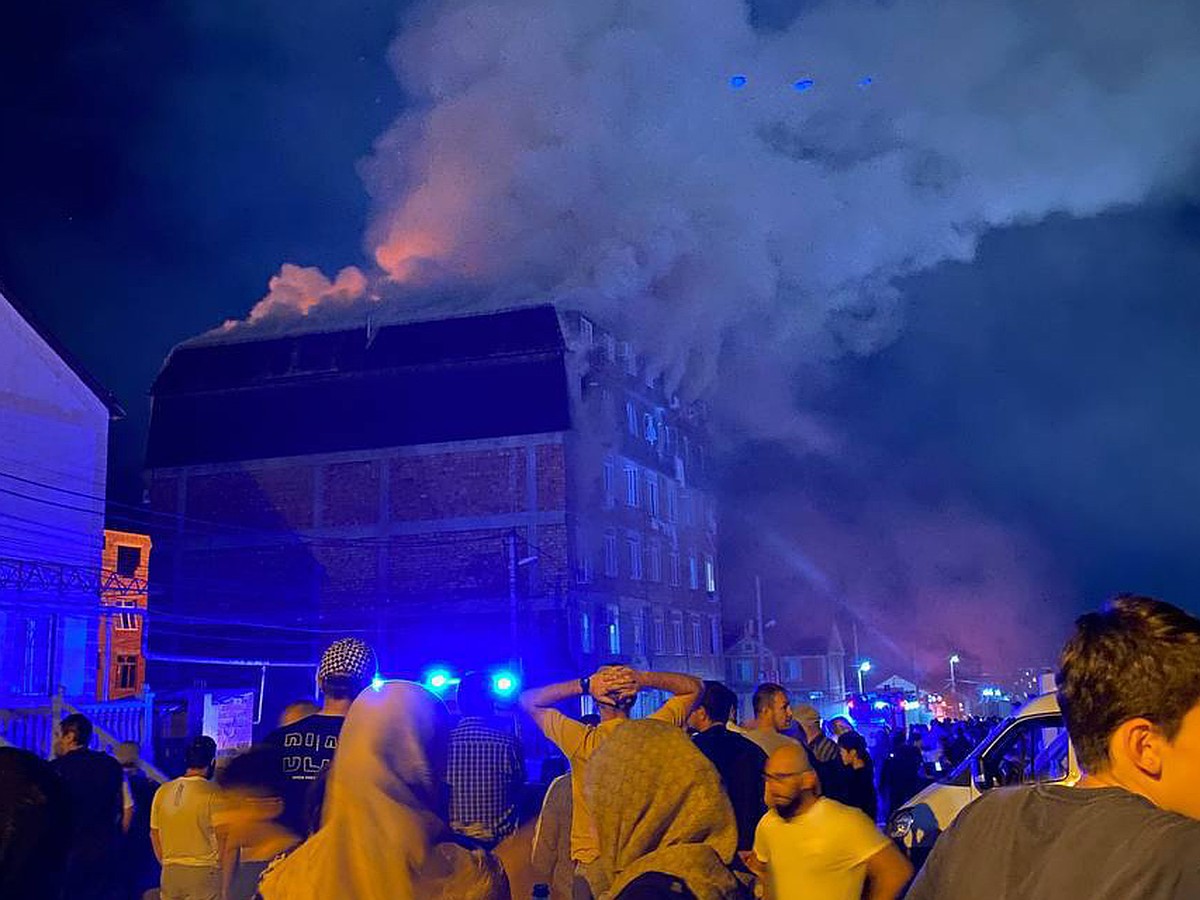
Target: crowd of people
x,y
381,793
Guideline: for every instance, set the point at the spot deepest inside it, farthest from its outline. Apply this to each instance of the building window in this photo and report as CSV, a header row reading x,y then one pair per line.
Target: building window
x,y
656,562
632,487
652,493
693,571
689,512
660,633
649,429
614,629
629,357
586,331
677,632
128,560
610,555
675,568
125,621
610,492
672,502
585,632
29,678
631,417
743,671
610,347
697,636
634,543
716,636
710,575
639,634
583,570
127,667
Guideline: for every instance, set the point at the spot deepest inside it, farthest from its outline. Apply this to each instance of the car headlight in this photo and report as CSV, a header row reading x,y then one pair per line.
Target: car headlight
x,y
900,825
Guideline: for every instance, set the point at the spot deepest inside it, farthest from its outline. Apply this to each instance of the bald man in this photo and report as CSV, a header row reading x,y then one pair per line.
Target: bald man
x,y
810,846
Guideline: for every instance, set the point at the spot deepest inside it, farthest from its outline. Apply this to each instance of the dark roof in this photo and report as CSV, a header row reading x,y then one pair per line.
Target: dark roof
x,y
103,394
454,379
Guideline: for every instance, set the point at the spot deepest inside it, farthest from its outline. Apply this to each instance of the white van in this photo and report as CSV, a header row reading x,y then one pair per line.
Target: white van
x,y
1029,747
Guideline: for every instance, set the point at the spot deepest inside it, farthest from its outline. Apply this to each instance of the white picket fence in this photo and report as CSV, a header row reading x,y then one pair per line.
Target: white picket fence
x,y
30,725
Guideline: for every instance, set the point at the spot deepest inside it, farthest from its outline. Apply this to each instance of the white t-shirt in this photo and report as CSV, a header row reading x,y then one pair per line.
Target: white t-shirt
x,y
821,853
182,815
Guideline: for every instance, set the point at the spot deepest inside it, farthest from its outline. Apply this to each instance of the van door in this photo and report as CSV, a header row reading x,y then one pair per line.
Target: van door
x,y
1034,750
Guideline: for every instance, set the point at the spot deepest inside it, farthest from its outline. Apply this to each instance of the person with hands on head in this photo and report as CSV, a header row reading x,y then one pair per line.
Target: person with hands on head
x,y
614,689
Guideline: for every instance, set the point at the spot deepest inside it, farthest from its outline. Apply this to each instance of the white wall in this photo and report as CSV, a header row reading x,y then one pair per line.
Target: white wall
x,y
54,437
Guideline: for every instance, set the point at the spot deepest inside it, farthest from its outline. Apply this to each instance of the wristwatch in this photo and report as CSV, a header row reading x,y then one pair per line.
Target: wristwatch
x,y
585,685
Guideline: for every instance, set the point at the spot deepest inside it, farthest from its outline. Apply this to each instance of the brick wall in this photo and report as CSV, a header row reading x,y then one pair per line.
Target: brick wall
x,y
458,484
387,537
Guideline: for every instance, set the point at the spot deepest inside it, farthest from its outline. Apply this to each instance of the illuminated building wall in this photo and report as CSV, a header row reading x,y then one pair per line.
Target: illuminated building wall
x,y
54,422
125,573
379,482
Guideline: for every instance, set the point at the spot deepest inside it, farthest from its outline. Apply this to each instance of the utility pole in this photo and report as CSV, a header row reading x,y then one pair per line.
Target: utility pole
x,y
762,674
512,595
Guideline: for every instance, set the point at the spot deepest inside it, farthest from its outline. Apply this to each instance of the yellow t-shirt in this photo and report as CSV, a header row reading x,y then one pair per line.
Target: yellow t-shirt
x,y
821,853
578,742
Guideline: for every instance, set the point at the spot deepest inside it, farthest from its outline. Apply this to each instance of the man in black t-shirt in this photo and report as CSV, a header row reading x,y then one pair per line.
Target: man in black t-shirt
x,y
94,788
738,761
1129,688
347,667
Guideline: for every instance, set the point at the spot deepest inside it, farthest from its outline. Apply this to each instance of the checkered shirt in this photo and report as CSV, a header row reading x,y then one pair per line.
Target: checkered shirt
x,y
485,774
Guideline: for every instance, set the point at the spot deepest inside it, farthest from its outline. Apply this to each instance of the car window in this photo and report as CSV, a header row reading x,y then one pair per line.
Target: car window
x,y
1033,751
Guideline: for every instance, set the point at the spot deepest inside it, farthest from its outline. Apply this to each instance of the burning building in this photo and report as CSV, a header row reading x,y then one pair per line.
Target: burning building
x,y
513,488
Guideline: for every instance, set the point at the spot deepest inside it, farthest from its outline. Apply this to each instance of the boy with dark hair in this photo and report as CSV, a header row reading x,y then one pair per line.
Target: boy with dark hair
x,y
1129,688
738,761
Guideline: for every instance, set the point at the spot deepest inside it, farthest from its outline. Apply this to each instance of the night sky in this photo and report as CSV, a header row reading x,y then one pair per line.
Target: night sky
x,y
159,162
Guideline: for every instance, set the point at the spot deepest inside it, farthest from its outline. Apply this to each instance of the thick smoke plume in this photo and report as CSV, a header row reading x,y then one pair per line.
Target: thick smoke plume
x,y
604,152
749,197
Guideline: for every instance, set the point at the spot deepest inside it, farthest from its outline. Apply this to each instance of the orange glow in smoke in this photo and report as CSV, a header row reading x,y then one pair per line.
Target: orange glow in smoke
x,y
402,253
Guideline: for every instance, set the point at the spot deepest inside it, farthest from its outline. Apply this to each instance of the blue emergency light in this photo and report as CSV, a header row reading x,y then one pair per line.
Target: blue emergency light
x,y
505,684
438,679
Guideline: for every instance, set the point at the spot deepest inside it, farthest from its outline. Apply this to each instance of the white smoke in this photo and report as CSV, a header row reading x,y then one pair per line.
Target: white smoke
x,y
746,200
600,152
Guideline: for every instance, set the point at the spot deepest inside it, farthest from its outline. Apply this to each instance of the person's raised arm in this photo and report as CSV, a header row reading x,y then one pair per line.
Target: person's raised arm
x,y
887,874
538,702
684,687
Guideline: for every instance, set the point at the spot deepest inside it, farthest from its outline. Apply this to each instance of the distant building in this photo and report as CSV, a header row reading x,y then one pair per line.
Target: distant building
x,y
53,462
125,574
813,671
466,491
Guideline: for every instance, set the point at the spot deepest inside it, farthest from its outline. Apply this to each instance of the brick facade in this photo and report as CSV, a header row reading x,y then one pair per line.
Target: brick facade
x,y
412,545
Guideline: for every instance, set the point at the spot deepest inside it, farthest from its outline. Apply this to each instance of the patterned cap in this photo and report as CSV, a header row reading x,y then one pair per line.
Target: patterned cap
x,y
350,658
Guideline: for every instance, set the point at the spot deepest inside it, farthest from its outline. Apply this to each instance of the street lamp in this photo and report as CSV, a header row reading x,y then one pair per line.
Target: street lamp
x,y
954,661
863,668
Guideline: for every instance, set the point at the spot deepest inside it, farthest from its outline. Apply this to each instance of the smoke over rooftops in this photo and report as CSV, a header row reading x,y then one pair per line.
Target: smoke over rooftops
x,y
748,199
